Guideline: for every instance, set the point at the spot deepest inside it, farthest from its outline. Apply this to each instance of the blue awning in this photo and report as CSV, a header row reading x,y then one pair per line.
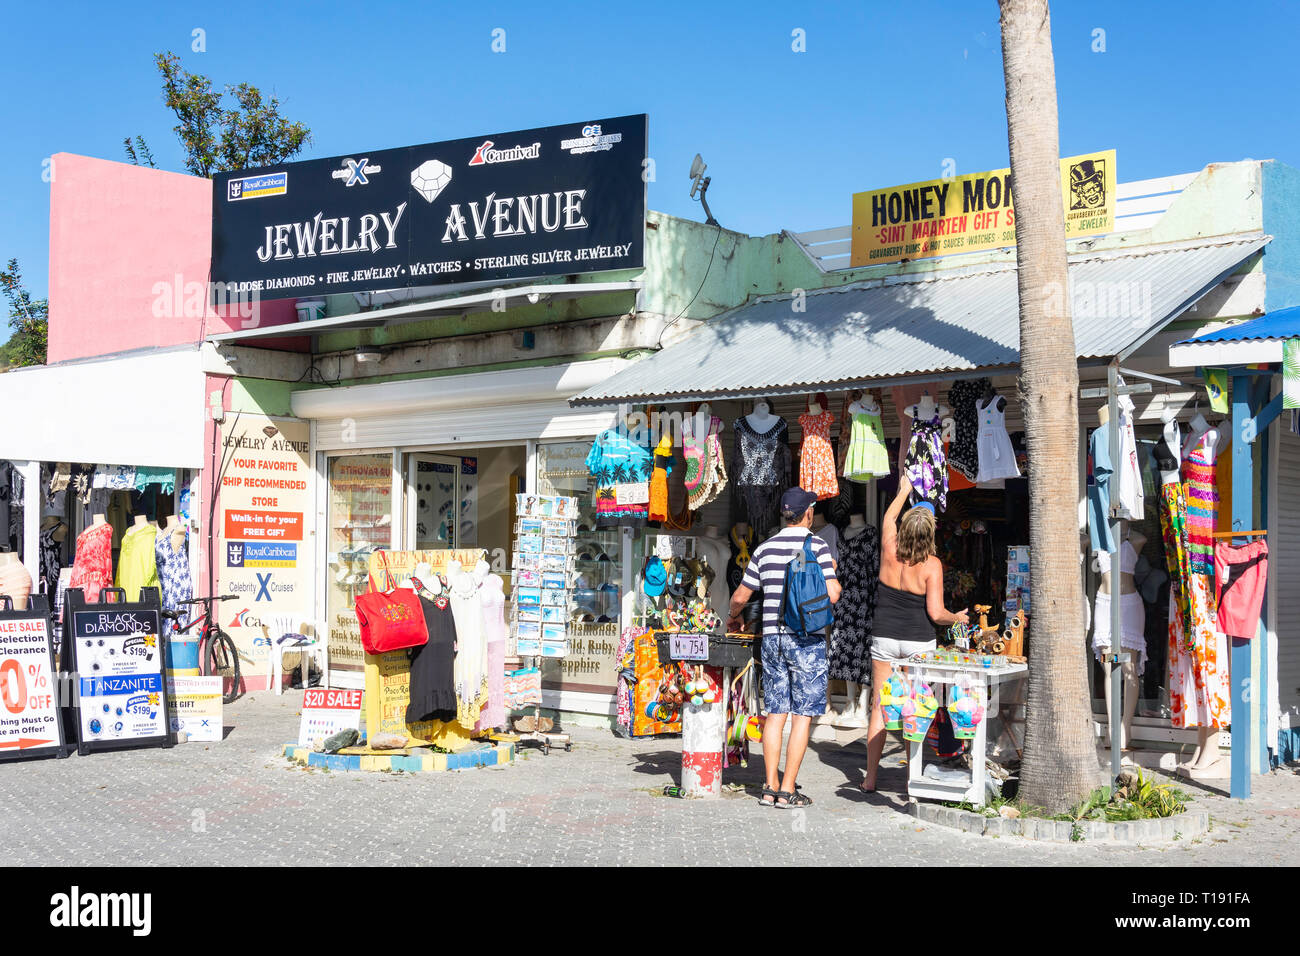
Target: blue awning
x,y
1254,342
1282,324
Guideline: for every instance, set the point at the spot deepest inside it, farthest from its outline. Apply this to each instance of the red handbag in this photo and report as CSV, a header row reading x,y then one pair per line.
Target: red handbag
x,y
390,620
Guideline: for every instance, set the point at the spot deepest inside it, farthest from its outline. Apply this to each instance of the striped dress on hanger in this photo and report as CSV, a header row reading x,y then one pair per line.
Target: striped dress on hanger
x,y
1202,504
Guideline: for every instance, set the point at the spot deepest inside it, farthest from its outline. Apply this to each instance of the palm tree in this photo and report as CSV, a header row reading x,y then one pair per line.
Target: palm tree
x,y
1060,763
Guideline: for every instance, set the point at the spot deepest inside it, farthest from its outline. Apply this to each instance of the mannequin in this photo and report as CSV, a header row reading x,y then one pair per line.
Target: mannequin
x,y
15,581
857,525
1129,670
926,409
761,418
98,520
814,406
712,550
864,404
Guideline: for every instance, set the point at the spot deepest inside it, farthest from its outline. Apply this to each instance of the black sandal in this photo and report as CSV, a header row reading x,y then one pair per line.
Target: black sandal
x,y
768,792
796,799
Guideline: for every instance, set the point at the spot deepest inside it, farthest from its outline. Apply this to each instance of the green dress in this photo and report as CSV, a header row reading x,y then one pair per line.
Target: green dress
x,y
867,457
137,566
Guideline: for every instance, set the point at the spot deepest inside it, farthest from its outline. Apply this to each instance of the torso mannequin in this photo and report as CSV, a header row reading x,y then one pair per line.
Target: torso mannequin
x,y
761,418
98,520
1136,540
15,581
1168,453
141,521
1197,427
926,409
857,525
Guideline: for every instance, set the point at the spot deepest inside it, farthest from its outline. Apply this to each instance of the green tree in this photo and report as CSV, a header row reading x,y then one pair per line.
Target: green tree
x,y
219,138
28,318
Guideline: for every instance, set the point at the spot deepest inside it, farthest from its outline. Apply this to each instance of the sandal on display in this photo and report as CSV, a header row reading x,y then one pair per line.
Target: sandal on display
x,y
796,799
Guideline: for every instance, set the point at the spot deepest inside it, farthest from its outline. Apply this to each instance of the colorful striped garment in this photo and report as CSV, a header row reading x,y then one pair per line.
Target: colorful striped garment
x,y
1202,505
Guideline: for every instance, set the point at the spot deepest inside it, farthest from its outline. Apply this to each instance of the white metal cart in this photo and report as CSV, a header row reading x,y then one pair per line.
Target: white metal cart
x,y
990,679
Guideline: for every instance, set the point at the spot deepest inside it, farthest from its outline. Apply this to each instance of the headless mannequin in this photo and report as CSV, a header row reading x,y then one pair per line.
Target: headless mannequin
x,y
141,521
98,520
17,582
1128,670
814,407
176,532
865,404
1205,761
857,525
926,409
712,552
855,710
761,418
989,393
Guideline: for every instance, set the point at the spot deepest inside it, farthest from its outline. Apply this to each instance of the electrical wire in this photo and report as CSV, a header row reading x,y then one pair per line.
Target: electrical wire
x,y
708,269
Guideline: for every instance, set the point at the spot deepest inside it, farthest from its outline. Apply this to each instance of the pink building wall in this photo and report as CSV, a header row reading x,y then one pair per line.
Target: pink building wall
x,y
130,249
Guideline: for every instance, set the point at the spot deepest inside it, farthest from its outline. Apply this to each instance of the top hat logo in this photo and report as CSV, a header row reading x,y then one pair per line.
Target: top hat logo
x,y
1088,184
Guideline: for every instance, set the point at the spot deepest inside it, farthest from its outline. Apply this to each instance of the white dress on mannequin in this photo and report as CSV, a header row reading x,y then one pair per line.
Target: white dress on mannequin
x,y
471,644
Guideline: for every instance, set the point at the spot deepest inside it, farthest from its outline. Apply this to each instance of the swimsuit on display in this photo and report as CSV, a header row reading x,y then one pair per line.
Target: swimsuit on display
x,y
963,453
761,470
1132,614
997,459
816,460
926,465
867,457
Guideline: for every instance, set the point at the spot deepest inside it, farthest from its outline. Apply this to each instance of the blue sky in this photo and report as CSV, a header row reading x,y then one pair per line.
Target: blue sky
x,y
884,93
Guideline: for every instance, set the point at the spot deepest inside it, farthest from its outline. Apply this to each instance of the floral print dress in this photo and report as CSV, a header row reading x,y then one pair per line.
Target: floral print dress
x,y
92,566
926,465
816,459
173,579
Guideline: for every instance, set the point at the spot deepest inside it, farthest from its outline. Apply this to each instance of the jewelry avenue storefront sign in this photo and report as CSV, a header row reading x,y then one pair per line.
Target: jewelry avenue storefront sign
x,y
557,200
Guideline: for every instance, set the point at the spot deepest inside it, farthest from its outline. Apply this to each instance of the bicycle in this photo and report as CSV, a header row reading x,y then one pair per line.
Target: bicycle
x,y
220,657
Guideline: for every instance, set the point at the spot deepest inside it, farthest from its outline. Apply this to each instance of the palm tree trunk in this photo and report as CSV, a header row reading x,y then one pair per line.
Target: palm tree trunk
x,y
1060,763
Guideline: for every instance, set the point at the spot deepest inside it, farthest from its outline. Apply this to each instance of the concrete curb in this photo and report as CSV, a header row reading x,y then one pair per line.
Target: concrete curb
x,y
1183,826
500,755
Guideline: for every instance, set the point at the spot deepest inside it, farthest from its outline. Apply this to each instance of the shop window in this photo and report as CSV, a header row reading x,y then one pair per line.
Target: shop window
x,y
590,666
360,517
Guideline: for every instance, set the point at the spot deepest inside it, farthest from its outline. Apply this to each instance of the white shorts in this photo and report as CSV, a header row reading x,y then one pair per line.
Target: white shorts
x,y
895,652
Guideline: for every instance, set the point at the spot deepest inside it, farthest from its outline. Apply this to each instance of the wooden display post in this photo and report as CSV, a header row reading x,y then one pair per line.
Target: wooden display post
x,y
118,663
30,721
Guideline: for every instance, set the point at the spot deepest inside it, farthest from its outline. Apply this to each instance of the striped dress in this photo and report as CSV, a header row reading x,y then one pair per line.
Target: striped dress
x,y
1202,504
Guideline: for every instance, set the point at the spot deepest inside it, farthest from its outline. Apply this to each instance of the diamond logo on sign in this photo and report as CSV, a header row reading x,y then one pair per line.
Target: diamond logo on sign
x,y
430,178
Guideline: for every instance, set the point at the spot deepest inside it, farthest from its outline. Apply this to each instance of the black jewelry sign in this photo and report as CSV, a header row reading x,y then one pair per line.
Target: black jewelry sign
x,y
118,659
551,201
30,724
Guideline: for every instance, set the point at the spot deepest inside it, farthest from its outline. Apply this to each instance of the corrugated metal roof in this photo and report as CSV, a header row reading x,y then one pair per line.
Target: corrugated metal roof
x,y
964,320
1282,324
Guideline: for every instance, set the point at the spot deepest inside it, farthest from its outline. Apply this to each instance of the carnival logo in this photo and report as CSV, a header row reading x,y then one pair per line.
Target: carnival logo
x,y
244,619
355,171
485,154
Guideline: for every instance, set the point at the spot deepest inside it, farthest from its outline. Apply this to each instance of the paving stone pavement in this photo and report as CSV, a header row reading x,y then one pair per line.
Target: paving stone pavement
x,y
240,802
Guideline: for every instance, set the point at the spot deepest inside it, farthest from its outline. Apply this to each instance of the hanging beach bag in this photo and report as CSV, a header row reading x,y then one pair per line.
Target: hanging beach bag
x,y
390,620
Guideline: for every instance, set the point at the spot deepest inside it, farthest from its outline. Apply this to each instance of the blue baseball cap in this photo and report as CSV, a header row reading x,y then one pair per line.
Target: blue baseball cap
x,y
796,501
656,577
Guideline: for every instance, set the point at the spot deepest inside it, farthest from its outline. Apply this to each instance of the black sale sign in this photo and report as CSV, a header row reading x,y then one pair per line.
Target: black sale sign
x,y
551,201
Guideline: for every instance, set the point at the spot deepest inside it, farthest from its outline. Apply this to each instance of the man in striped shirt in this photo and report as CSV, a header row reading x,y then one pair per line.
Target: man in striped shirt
x,y
794,666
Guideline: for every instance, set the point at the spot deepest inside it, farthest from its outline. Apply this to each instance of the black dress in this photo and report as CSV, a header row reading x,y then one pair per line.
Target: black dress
x,y
433,687
963,453
859,576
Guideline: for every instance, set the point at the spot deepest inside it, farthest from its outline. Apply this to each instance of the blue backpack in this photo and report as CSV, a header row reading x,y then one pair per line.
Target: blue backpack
x,y
805,603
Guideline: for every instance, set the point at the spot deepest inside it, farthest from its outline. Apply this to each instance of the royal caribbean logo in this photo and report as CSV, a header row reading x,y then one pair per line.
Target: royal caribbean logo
x,y
485,154
355,171
257,187
234,555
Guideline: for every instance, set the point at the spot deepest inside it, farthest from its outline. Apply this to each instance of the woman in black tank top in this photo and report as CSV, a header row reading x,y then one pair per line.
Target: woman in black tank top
x,y
905,618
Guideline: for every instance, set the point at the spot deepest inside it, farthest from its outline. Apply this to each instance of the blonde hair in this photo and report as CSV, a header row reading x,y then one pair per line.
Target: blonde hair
x,y
916,536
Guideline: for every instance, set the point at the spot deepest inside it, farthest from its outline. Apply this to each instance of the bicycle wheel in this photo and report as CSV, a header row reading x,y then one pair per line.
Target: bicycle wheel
x,y
220,660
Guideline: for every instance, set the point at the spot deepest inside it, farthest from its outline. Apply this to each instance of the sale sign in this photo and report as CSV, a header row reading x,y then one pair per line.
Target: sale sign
x,y
29,718
326,712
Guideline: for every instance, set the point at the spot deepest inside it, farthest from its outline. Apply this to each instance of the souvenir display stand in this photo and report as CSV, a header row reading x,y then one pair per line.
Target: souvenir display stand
x,y
984,676
28,682
543,600
704,708
114,653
